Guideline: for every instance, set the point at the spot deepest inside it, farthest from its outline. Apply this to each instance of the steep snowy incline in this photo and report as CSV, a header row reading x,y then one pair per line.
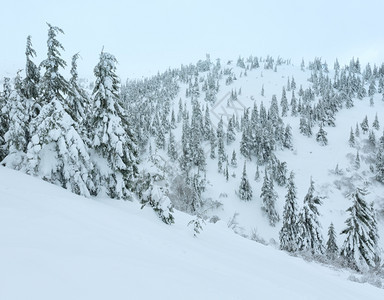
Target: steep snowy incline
x,y
56,245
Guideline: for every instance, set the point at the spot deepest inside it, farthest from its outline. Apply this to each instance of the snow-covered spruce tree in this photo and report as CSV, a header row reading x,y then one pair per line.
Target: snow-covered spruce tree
x,y
380,165
352,140
245,190
310,237
197,187
305,126
245,143
172,151
186,157
234,159
294,107
364,125
27,90
173,120
152,188
372,138
357,130
357,161
56,152
269,197
274,111
288,234
231,135
321,136
32,75
331,250
78,101
376,123
359,249
372,88
212,142
115,154
207,124
287,138
374,234
160,137
196,137
280,173
220,141
4,116
257,173
226,172
284,103
18,131
53,85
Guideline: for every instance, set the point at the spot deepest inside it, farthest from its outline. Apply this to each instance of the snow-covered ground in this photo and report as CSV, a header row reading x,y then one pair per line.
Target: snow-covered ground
x,y
56,245
307,159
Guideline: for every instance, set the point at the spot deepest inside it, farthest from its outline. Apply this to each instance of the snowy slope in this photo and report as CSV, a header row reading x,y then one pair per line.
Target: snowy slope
x,y
56,245
307,159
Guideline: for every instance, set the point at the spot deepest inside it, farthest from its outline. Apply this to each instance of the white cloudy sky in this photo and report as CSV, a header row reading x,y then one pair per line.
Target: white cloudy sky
x,y
147,36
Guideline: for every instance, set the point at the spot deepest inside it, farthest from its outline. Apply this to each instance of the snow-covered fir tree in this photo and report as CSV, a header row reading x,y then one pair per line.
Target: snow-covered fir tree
x,y
52,84
17,136
56,152
231,134
4,116
358,249
234,159
245,189
380,165
78,101
372,138
287,139
269,198
220,141
331,250
357,161
115,154
321,136
257,174
212,142
376,124
364,125
30,83
352,141
32,75
289,231
172,151
357,130
310,237
284,103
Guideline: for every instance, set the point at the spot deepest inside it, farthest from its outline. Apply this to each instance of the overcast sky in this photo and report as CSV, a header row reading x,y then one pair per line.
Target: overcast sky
x,y
149,36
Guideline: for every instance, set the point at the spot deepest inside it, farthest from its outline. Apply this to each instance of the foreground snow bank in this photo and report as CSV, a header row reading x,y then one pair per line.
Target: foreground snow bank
x,y
56,245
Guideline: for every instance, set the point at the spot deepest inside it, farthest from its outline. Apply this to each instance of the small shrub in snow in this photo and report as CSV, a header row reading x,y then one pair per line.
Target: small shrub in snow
x,y
159,201
197,223
257,238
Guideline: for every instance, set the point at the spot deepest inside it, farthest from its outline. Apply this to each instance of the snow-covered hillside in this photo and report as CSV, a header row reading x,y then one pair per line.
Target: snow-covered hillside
x,y
290,156
307,158
56,245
